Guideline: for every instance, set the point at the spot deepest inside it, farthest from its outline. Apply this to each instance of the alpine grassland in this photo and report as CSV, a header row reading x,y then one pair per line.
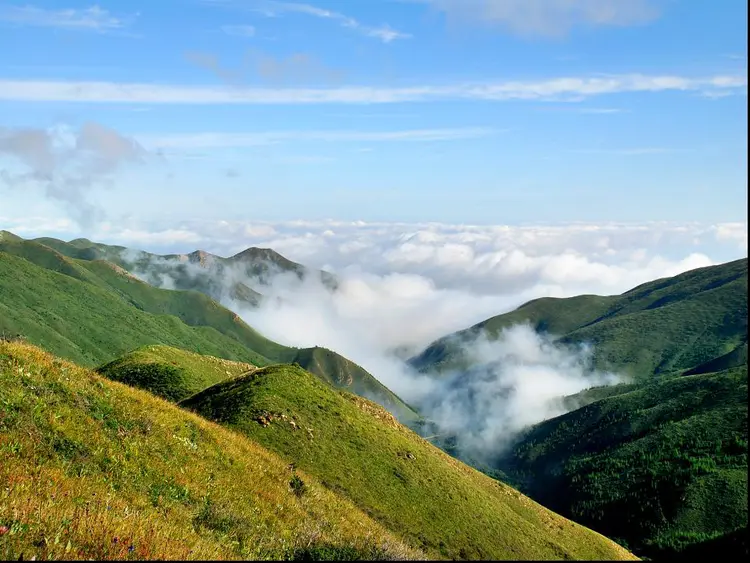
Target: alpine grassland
x,y
94,469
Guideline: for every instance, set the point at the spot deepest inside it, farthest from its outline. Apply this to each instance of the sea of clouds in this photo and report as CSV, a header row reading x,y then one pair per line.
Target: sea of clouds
x,y
404,285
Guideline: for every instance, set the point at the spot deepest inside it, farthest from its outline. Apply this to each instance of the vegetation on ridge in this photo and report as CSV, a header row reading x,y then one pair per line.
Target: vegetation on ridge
x,y
660,467
95,469
659,328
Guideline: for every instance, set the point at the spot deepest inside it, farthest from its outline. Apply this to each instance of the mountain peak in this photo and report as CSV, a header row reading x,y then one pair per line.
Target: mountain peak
x,y
201,257
8,236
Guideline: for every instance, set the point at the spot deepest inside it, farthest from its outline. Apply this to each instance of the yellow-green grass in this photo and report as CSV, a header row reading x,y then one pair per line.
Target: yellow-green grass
x,y
359,450
94,469
171,373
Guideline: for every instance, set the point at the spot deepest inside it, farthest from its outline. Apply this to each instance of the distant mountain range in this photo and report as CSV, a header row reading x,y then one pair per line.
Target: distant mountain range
x,y
240,277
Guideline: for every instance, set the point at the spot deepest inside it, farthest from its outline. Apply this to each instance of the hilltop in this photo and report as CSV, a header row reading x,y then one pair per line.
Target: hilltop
x,y
93,311
359,450
94,469
170,373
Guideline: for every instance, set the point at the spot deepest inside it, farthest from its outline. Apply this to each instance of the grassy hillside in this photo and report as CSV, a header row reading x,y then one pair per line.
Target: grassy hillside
x,y
88,324
94,469
661,327
171,373
662,467
92,311
359,450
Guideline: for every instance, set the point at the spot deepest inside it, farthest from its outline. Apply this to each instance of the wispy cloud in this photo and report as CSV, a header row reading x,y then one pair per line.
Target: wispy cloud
x,y
274,8
555,89
551,18
238,140
636,151
94,18
239,30
67,163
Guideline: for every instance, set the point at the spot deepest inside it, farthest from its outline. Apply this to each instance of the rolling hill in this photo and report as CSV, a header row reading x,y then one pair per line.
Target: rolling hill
x,y
357,449
660,463
93,311
171,373
93,469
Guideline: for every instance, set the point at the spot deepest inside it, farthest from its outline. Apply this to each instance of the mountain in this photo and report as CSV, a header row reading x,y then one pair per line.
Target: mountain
x,y
659,464
658,328
93,311
240,277
93,469
360,451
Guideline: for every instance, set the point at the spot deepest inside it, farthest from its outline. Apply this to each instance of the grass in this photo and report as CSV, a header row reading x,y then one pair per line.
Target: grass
x,y
94,469
171,373
344,374
660,467
90,324
359,450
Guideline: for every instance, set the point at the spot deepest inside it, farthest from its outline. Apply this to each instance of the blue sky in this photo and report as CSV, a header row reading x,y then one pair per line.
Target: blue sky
x,y
462,111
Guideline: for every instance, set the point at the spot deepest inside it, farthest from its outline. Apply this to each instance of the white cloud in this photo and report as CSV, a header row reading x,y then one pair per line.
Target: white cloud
x,y
547,17
239,30
93,18
224,140
273,8
556,89
518,380
734,232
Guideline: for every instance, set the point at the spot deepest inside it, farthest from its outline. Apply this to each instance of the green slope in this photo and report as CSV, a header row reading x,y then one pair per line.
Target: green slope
x,y
661,327
662,467
359,450
89,324
92,469
344,374
171,373
92,311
